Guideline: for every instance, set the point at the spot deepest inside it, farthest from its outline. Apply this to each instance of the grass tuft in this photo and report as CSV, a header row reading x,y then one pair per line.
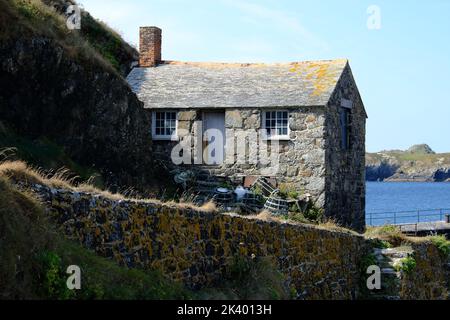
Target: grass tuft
x,y
389,234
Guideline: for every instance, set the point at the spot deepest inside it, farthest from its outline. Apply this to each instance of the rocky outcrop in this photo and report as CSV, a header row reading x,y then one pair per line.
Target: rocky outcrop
x,y
381,171
421,149
419,164
73,97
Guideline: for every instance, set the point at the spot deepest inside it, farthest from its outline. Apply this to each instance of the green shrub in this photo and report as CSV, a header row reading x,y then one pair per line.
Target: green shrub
x,y
381,244
406,265
51,278
442,244
288,191
314,214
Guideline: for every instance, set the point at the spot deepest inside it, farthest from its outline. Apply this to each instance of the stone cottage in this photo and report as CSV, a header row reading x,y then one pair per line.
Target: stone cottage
x,y
312,111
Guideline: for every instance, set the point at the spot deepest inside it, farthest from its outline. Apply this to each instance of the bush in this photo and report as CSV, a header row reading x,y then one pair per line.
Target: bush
x,y
406,265
313,214
381,244
51,279
442,244
288,191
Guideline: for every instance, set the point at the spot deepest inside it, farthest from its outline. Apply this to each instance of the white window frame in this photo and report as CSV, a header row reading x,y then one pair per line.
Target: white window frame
x,y
276,137
174,136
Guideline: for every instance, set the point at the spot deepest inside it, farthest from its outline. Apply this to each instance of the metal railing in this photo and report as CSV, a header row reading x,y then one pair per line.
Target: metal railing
x,y
406,217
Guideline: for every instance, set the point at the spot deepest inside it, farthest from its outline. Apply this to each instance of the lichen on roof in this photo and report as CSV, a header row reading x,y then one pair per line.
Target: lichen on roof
x,y
176,84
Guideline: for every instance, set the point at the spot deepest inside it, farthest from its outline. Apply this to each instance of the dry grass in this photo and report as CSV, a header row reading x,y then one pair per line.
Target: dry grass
x,y
332,225
19,171
265,215
391,234
210,206
39,18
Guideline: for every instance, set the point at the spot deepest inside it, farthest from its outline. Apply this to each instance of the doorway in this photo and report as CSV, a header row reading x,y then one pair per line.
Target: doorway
x,y
214,136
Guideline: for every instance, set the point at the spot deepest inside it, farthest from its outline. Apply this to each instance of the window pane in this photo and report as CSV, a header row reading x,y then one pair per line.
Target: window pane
x,y
279,122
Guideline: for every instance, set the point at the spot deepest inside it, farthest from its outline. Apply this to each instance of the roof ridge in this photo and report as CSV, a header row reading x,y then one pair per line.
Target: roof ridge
x,y
249,64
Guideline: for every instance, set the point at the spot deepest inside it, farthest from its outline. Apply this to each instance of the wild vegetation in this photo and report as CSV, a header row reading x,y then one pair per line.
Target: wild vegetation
x,y
35,255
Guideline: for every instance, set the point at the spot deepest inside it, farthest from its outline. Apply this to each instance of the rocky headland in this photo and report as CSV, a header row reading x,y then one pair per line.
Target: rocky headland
x,y
417,164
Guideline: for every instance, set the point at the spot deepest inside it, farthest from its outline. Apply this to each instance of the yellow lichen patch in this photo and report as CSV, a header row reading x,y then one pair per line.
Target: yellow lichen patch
x,y
323,75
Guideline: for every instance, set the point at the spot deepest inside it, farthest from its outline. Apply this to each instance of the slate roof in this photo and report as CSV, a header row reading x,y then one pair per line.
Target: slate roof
x,y
230,85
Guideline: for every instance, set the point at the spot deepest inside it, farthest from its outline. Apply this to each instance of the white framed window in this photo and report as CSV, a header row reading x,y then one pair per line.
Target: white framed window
x,y
164,125
276,124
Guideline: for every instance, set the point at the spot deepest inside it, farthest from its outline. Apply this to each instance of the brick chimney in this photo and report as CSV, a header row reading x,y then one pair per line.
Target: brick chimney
x,y
149,46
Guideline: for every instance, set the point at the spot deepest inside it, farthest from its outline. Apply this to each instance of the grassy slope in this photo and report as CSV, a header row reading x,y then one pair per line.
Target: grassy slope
x,y
45,254
102,38
95,43
39,273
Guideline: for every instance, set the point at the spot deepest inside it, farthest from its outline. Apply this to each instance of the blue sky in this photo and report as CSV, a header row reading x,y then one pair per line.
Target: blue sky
x,y
402,69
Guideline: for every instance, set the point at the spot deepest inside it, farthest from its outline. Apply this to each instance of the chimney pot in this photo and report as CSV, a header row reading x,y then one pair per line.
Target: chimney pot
x,y
150,40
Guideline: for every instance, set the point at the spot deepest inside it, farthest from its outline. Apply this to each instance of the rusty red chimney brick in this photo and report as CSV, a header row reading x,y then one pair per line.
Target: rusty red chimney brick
x,y
150,40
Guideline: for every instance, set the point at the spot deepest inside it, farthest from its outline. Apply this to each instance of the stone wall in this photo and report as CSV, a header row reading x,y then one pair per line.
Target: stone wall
x,y
430,279
301,158
345,168
195,247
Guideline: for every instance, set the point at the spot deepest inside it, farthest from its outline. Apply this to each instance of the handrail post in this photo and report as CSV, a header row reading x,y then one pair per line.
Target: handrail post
x,y
395,217
440,215
418,216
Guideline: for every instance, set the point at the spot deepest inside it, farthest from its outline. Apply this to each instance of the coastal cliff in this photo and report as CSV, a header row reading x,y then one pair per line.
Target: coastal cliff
x,y
417,164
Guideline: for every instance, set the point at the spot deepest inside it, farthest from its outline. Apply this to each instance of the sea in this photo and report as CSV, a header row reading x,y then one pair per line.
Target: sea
x,y
406,202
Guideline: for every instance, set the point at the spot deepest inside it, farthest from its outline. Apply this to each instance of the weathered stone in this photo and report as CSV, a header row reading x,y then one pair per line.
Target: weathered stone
x,y
187,115
185,244
233,119
184,125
